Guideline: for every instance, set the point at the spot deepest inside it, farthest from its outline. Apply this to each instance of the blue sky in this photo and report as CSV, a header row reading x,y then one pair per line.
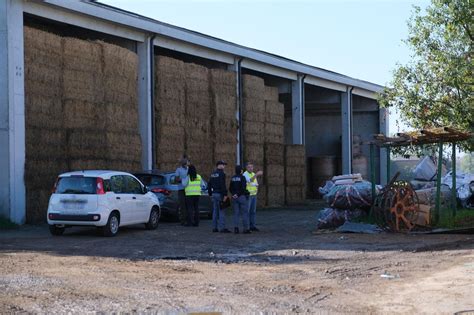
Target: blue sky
x,y
361,39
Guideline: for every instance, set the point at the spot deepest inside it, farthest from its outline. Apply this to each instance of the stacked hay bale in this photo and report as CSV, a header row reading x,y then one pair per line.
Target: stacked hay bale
x,y
120,74
295,174
224,122
81,111
170,110
198,143
254,127
101,107
44,136
274,148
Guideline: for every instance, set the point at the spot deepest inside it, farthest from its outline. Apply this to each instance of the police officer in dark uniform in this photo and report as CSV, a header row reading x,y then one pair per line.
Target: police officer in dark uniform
x,y
218,192
240,198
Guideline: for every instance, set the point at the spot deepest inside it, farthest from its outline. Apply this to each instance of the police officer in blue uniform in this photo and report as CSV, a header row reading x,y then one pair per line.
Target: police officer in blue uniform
x,y
218,192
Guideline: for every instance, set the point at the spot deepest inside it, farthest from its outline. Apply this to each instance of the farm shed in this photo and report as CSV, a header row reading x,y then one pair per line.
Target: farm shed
x,y
85,85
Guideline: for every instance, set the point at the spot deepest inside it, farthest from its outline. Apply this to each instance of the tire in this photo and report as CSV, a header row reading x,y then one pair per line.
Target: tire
x,y
112,226
154,219
55,230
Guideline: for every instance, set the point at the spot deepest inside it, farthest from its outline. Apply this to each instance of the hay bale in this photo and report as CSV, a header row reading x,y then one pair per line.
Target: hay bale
x,y
84,115
169,90
197,91
167,166
44,143
274,133
275,195
164,64
82,55
253,132
123,146
119,62
249,116
253,105
82,86
275,113
126,166
295,175
122,117
42,173
42,48
271,94
84,144
254,153
253,87
262,196
223,93
274,153
42,112
274,174
37,201
295,195
295,155
90,164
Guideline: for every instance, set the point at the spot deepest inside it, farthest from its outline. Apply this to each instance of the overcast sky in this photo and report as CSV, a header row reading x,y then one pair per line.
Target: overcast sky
x,y
361,39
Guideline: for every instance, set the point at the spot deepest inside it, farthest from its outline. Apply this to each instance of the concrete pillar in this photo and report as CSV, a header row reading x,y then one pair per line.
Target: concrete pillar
x,y
12,112
346,114
297,105
383,128
235,67
145,101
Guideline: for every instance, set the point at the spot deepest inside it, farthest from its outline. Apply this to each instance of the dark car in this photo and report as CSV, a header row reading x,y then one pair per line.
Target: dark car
x,y
165,185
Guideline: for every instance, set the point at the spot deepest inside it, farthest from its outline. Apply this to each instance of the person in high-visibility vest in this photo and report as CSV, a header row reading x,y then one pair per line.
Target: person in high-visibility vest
x,y
192,190
252,187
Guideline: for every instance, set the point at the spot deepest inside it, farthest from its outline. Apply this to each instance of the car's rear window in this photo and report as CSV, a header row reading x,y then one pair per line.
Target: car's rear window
x,y
151,180
76,185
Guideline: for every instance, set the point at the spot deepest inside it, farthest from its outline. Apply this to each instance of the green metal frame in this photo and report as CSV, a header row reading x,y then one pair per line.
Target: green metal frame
x,y
438,177
453,173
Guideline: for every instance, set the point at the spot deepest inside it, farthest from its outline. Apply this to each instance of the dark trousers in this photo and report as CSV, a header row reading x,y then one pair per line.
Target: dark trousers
x,y
192,203
183,214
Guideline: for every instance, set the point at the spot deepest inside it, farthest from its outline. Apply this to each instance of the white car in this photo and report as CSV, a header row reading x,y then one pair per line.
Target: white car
x,y
106,199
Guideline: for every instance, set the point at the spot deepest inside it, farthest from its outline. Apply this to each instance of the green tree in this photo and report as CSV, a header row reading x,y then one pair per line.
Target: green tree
x,y
436,87
466,163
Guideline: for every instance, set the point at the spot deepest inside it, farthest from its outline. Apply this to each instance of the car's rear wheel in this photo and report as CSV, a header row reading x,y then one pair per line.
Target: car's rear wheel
x,y
152,223
56,230
112,226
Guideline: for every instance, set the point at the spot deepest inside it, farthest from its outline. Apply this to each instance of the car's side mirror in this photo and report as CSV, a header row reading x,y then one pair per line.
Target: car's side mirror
x,y
145,189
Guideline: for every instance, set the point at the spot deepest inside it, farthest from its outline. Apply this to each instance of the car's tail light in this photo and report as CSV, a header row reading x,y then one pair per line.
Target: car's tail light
x,y
55,185
165,192
100,186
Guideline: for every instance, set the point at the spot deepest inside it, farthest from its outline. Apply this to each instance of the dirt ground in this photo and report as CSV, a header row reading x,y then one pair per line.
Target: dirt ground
x,y
285,268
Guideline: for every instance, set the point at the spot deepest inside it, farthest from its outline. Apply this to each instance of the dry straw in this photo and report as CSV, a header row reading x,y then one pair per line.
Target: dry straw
x,y
271,93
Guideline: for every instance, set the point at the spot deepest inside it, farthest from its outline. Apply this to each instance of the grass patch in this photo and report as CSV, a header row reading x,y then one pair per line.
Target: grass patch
x,y
464,218
6,224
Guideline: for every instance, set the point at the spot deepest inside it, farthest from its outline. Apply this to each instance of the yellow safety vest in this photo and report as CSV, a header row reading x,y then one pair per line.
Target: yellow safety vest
x,y
194,187
251,188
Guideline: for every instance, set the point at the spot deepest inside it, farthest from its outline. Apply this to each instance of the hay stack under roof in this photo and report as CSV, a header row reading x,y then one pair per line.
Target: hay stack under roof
x,y
71,122
295,174
170,111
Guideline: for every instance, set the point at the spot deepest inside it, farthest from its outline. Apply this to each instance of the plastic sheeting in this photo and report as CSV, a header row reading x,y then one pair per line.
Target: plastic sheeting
x,y
350,197
333,218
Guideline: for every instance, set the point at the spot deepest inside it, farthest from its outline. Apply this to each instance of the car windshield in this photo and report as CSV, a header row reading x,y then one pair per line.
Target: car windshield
x,y
76,185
